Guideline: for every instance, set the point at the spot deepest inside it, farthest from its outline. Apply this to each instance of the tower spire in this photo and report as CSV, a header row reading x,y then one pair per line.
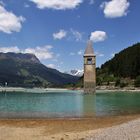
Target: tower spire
x,y
89,49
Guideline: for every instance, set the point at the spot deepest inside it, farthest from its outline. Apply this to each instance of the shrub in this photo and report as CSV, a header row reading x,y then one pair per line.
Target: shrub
x,y
118,81
123,84
137,82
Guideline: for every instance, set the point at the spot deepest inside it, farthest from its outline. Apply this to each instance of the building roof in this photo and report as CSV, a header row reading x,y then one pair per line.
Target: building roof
x,y
89,50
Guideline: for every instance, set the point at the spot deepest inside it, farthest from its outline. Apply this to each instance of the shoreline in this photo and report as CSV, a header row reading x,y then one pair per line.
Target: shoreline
x,y
46,90
64,129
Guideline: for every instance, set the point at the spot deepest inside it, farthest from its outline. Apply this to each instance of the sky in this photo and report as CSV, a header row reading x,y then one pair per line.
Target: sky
x,y
56,31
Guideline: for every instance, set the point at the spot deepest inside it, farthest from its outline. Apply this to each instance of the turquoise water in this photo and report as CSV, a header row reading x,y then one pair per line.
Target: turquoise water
x,y
67,104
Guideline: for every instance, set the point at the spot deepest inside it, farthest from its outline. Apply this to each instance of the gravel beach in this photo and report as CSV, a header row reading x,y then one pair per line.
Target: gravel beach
x,y
126,131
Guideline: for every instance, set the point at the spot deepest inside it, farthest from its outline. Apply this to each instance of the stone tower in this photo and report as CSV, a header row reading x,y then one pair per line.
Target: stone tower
x,y
89,69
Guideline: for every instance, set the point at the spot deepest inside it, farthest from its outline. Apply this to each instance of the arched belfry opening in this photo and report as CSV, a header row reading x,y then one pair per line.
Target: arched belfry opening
x,y
89,69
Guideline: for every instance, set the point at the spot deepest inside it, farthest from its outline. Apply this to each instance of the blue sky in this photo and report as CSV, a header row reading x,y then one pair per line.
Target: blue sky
x,y
57,30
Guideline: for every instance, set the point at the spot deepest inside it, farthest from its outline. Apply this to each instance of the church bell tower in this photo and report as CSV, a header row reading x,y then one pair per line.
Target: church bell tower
x,y
89,69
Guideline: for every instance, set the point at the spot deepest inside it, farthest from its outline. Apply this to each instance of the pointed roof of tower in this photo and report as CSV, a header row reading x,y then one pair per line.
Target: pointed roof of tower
x,y
89,50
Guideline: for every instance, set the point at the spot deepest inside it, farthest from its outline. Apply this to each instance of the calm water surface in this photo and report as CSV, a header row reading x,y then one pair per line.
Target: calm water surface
x,y
67,104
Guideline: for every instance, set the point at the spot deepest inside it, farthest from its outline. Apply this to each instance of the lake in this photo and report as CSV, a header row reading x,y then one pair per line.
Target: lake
x,y
67,104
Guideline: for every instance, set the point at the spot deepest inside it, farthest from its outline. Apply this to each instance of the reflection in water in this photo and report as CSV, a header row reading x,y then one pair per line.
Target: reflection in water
x,y
67,104
89,105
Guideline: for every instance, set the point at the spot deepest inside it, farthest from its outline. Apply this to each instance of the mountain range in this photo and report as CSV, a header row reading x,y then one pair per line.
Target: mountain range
x,y
76,72
18,69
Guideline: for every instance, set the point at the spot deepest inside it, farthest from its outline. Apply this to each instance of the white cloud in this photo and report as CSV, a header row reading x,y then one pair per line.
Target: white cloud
x,y
70,35
57,4
76,34
72,53
59,35
55,58
42,53
80,52
51,66
115,8
91,2
99,54
113,54
9,22
14,49
26,5
98,36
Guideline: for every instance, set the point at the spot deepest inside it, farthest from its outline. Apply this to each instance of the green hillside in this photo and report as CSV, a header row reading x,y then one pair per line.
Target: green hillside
x,y
123,69
125,64
26,70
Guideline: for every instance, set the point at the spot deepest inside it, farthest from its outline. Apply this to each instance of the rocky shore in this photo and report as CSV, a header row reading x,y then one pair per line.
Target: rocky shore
x,y
126,131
